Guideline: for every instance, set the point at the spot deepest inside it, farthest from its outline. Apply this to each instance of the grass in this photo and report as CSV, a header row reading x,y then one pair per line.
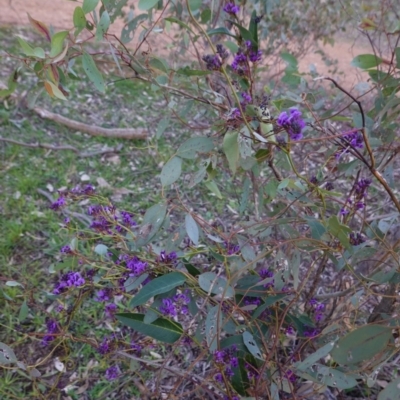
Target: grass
x,y
32,234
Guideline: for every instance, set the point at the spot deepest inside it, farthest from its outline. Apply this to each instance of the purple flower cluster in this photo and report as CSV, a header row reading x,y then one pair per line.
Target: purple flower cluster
x,y
171,307
239,63
136,266
356,238
311,332
361,187
231,8
68,280
59,203
232,248
110,309
106,346
222,52
112,373
137,348
66,250
127,219
167,258
213,62
267,273
52,329
252,372
293,123
104,294
355,140
290,376
77,191
317,309
225,360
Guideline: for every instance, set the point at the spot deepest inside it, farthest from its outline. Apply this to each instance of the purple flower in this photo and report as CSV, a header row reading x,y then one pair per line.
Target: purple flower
x,y
213,62
311,332
137,348
231,8
293,123
290,376
251,371
112,373
239,63
68,280
127,218
329,186
361,187
88,190
266,273
255,56
167,258
110,310
168,308
52,329
59,203
246,99
104,294
66,250
290,331
218,377
356,140
232,248
136,266
222,52
356,238
105,346
343,211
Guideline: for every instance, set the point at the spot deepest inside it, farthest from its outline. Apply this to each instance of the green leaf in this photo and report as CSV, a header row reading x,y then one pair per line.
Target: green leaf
x,y
317,229
190,147
330,377
54,91
391,391
205,16
79,20
103,25
213,188
180,23
157,286
161,329
213,327
240,379
397,52
194,5
26,48
147,4
220,31
89,5
315,357
14,283
152,222
212,283
246,35
253,28
128,31
231,149
57,41
101,249
7,355
192,229
361,344
92,72
171,171
366,61
187,71
291,61
251,345
23,312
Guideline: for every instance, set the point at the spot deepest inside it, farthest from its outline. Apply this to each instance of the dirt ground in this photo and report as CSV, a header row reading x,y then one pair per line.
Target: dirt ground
x,y
59,14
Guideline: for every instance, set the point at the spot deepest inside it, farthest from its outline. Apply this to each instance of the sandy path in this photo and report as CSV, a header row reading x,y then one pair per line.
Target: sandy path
x,y
59,14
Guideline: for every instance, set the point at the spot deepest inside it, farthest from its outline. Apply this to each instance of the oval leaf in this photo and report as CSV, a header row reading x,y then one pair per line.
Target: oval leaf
x,y
161,329
366,61
92,72
57,43
192,229
79,20
391,391
231,149
251,345
157,286
40,27
171,171
213,326
195,145
147,4
211,283
89,5
361,344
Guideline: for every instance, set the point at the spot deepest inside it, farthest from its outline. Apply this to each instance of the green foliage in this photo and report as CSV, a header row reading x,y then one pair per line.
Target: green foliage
x,y
260,241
